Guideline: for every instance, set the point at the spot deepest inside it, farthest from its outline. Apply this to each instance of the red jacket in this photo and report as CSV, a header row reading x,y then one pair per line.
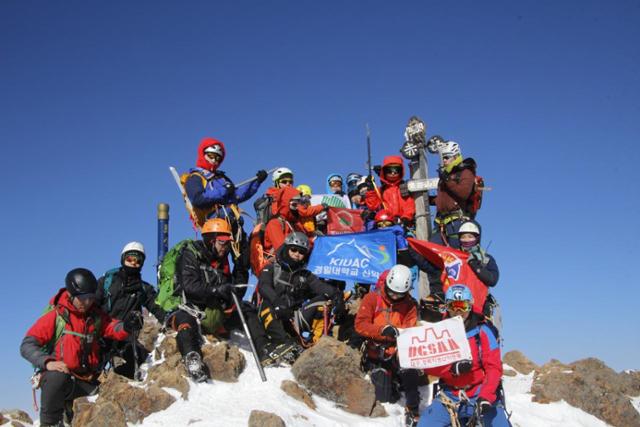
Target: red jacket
x,y
377,311
284,223
391,199
69,348
486,372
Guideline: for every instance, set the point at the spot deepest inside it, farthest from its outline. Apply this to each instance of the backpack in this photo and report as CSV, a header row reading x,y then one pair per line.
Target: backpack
x,y
262,205
169,297
106,286
258,257
474,202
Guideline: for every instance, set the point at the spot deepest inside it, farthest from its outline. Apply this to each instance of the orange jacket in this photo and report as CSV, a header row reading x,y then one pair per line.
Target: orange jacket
x,y
377,311
284,223
391,199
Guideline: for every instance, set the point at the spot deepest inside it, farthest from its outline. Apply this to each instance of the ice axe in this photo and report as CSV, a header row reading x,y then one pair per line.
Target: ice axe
x,y
246,331
253,178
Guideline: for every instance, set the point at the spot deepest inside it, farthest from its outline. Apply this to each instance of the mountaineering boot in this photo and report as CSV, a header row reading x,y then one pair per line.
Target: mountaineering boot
x,y
266,358
195,367
283,353
411,416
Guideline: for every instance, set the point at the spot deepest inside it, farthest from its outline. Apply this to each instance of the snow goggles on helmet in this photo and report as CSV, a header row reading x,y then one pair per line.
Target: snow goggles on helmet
x,y
297,250
384,224
393,169
459,305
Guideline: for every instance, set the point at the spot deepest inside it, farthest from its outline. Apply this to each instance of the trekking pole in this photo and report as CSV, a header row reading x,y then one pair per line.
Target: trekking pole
x,y
134,344
370,167
246,331
253,178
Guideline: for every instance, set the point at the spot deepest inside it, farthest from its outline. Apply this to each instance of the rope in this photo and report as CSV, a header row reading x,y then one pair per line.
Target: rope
x,y
451,407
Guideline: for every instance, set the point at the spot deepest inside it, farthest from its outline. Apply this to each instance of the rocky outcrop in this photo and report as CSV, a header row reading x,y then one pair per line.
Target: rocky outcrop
x,y
298,393
15,417
118,401
590,385
519,362
265,419
225,361
331,369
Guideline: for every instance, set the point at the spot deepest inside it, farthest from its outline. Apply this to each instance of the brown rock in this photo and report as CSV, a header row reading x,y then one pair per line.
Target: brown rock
x,y
519,362
331,369
136,403
15,423
2,419
18,415
167,374
265,419
225,362
298,393
169,345
590,385
103,413
509,373
80,406
149,332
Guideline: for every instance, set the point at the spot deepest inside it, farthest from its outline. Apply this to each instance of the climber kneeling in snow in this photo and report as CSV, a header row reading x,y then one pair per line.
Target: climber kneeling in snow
x,y
381,313
293,302
469,389
64,346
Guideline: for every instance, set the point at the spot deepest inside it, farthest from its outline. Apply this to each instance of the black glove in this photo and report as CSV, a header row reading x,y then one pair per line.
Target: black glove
x,y
282,312
339,309
474,263
377,169
443,174
483,405
133,322
461,367
404,190
390,331
223,291
325,206
262,175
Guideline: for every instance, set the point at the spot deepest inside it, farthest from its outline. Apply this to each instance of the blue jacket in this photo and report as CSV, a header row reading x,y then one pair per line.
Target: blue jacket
x,y
219,189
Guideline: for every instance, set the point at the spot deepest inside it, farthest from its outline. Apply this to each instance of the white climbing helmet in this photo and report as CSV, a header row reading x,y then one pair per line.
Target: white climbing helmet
x,y
450,149
399,279
133,247
278,173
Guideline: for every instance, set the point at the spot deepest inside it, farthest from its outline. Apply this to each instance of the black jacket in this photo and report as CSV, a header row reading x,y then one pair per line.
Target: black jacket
x,y
293,286
125,294
200,281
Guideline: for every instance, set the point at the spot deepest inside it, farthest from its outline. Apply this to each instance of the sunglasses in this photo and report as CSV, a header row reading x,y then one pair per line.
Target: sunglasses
x,y
447,157
335,184
293,205
383,224
297,250
459,306
223,242
393,170
215,156
394,295
286,181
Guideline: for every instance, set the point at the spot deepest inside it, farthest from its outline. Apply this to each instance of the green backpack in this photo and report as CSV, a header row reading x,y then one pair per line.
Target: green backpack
x,y
169,295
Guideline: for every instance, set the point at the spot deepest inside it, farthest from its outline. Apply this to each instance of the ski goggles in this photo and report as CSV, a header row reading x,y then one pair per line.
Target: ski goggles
x,y
134,258
392,169
384,224
459,305
335,183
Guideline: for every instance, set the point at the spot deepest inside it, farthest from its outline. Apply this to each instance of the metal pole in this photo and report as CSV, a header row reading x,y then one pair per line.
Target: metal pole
x,y
163,233
246,331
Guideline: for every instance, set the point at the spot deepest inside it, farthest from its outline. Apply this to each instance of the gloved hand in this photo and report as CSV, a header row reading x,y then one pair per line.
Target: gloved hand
x,y
377,169
474,263
483,405
404,190
325,206
223,291
282,312
133,322
339,309
443,174
262,175
390,331
461,367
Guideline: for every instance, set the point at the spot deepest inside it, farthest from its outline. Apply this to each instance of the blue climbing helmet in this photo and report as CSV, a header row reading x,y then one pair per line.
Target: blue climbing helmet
x,y
458,293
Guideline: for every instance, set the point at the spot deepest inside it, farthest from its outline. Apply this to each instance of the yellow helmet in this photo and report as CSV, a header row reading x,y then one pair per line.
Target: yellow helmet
x,y
304,189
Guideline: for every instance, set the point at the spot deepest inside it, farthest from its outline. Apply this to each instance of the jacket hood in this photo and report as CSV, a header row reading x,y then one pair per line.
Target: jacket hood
x,y
392,160
331,175
201,161
284,197
63,299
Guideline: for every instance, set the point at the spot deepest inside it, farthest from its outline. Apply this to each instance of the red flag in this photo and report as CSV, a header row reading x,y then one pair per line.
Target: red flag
x,y
456,271
343,221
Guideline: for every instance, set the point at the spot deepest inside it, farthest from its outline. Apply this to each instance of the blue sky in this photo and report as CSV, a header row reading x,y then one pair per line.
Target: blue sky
x,y
99,98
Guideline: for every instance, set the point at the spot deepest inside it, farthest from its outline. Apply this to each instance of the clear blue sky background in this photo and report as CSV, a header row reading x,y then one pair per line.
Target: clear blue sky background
x,y
97,99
